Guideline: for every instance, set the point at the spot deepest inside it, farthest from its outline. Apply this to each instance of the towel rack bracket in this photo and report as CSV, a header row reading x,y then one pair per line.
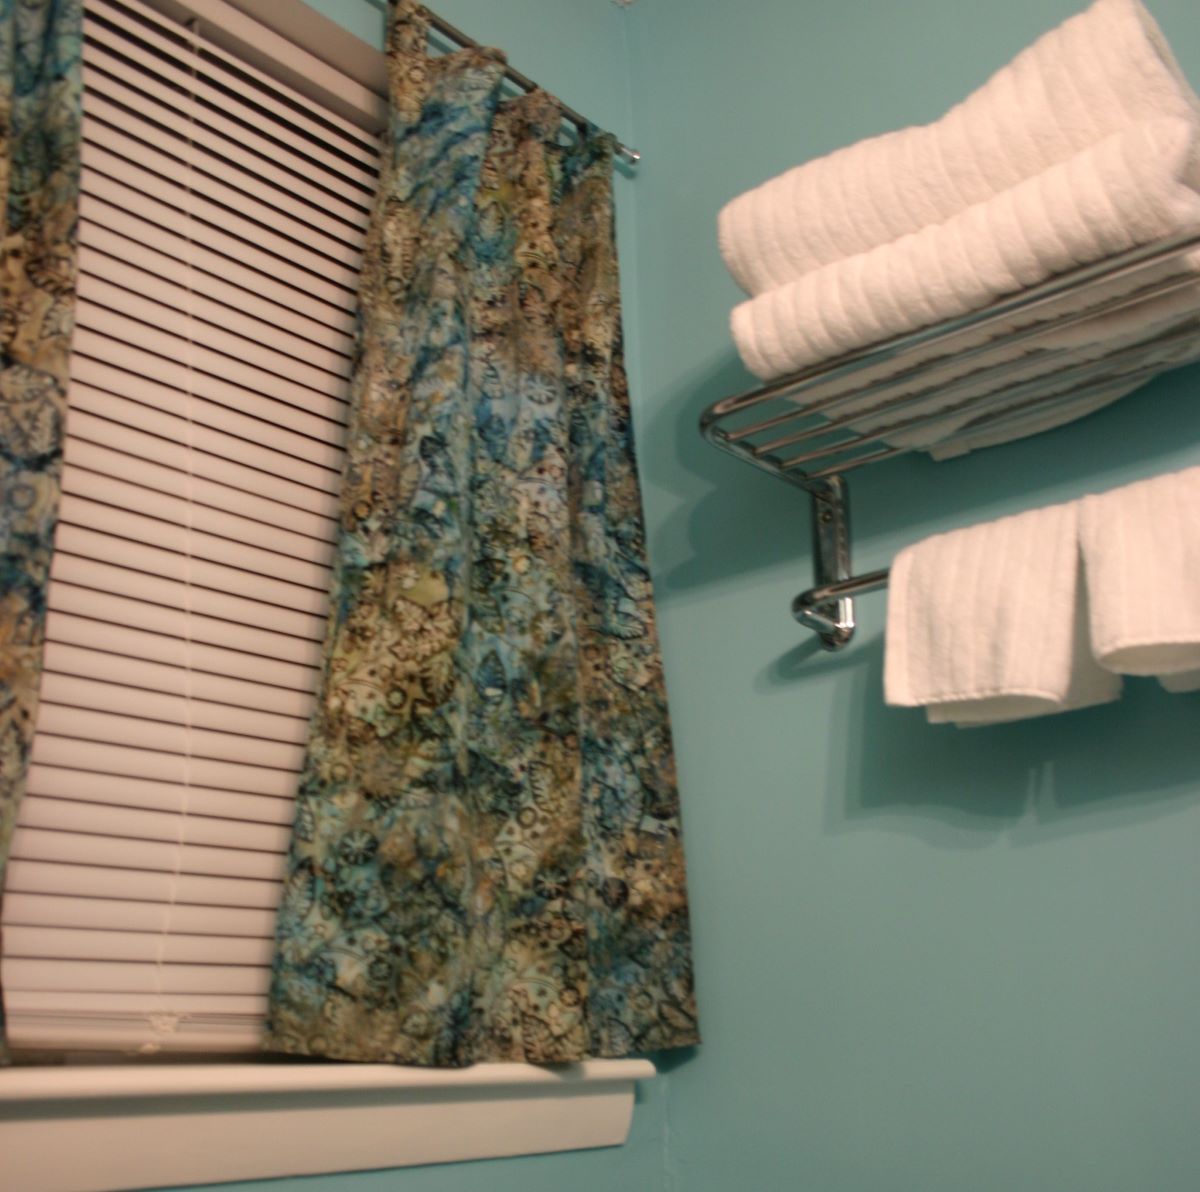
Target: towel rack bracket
x,y
831,617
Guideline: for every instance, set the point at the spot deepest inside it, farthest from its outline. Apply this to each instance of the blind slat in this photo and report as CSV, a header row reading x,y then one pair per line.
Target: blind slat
x,y
77,848
139,823
55,910
173,677
66,943
110,248
115,448
199,744
145,169
120,206
116,977
159,205
183,1033
72,630
75,692
107,758
212,180
238,525
51,1001
143,885
259,561
117,790
94,544
69,569
117,325
149,300
162,280
134,84
169,419
299,120
95,351
131,613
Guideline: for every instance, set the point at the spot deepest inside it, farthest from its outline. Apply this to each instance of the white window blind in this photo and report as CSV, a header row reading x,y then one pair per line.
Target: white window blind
x,y
222,219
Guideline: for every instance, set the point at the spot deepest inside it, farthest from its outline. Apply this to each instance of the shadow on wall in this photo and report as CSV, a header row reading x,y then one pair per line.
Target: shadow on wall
x,y
737,520
1028,782
1032,781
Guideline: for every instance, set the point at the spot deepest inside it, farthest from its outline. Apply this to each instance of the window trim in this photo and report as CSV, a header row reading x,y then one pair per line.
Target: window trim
x,y
301,47
103,1128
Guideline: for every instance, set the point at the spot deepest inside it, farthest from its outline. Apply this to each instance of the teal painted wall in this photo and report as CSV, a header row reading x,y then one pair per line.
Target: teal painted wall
x,y
929,960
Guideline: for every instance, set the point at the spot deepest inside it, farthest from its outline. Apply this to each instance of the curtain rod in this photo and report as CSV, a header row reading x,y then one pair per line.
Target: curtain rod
x,y
523,81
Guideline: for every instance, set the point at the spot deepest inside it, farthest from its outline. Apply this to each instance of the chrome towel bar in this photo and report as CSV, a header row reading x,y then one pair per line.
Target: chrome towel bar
x,y
807,428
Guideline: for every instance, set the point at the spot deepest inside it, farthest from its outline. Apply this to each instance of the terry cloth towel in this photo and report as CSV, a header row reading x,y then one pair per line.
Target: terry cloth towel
x,y
1017,425
1019,419
1164,330
1097,73
1141,551
988,624
1108,317
1138,186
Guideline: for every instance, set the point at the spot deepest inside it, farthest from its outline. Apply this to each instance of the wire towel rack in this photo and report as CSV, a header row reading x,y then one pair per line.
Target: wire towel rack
x,y
808,428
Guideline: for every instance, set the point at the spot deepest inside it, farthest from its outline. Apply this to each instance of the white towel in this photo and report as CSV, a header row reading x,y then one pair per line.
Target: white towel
x,y
1141,549
1099,72
1146,333
1011,422
1136,187
988,624
1111,316
1042,418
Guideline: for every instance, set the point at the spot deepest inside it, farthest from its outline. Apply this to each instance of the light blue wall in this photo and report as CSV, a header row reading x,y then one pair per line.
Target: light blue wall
x,y
930,960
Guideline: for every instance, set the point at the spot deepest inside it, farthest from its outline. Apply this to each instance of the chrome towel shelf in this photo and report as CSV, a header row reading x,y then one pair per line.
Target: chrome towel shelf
x,y
808,428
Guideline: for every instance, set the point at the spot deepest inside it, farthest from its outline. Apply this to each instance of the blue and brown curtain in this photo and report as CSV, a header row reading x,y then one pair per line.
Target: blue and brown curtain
x,y
487,862
40,128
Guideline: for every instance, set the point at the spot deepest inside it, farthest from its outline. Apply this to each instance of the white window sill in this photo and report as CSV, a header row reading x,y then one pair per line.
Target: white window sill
x,y
102,1129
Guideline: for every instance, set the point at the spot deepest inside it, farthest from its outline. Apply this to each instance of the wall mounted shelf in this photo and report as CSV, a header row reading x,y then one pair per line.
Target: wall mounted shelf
x,y
1027,354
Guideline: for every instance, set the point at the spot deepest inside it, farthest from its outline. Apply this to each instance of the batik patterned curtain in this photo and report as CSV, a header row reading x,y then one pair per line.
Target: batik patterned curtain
x,y
40,121
487,862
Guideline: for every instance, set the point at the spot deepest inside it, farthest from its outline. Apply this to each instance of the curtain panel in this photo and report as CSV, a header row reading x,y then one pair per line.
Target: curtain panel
x,y
487,861
41,112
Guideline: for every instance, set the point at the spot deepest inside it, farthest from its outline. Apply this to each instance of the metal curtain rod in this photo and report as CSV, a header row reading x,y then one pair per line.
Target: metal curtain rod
x,y
523,81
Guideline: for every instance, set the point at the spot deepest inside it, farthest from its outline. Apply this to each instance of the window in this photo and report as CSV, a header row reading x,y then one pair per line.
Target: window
x,y
227,181
221,224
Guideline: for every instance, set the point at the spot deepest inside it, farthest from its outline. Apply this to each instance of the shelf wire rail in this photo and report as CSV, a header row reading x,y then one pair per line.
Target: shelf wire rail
x,y
997,366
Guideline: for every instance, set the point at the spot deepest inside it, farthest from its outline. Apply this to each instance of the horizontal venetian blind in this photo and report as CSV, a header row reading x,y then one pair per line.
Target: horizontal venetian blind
x,y
222,221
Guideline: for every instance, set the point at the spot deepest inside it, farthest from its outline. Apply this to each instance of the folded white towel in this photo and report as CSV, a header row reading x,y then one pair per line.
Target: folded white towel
x,y
1108,317
1020,419
989,624
1141,549
1042,418
1099,72
1136,187
967,397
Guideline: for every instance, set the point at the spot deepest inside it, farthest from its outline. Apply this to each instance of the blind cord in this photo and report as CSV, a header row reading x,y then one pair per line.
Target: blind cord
x,y
165,1021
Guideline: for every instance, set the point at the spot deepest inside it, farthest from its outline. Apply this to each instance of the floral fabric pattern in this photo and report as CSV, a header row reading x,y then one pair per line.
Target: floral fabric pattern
x,y
487,861
40,126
